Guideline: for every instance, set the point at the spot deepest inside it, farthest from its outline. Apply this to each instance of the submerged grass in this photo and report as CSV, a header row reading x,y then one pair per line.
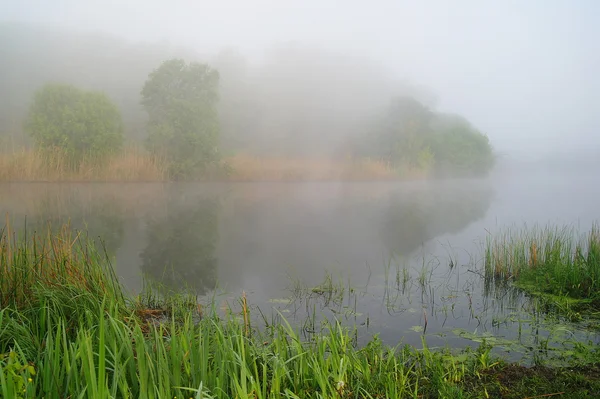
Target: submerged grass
x,y
556,262
67,329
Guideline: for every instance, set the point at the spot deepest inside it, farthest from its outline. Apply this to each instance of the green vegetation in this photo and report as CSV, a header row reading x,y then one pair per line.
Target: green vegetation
x,y
550,261
183,124
288,118
68,329
458,148
79,123
413,136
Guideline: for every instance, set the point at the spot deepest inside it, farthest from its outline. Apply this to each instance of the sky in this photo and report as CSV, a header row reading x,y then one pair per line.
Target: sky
x,y
524,72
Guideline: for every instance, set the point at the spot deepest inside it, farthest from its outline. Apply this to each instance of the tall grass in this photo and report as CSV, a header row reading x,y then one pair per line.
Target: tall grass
x,y
554,260
33,265
110,358
249,168
132,164
67,329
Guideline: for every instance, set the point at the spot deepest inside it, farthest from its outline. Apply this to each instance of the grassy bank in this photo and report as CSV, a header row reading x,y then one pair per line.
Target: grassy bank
x,y
67,329
556,263
134,164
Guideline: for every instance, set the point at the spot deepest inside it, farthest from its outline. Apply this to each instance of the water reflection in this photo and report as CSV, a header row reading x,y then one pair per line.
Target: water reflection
x,y
180,247
252,236
413,218
276,241
97,216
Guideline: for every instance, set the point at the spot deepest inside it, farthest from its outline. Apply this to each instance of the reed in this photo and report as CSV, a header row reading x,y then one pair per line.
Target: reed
x,y
245,167
554,260
136,165
67,329
130,165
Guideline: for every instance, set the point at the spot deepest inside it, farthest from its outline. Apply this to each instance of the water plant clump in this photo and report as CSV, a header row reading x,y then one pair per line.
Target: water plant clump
x,y
68,329
551,261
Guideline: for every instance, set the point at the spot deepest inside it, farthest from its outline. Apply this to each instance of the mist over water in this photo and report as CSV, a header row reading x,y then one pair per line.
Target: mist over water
x,y
412,85
279,243
522,73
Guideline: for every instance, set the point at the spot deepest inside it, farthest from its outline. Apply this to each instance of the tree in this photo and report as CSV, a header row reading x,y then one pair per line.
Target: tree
x,y
459,148
412,135
402,134
76,121
183,126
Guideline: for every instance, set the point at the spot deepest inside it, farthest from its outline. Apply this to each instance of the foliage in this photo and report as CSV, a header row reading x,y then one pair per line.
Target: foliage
x,y
76,121
412,135
459,148
73,334
183,126
15,375
550,261
402,134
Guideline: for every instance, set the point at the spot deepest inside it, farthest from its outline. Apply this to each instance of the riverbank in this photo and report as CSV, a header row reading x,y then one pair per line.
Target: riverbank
x,y
68,327
556,264
136,165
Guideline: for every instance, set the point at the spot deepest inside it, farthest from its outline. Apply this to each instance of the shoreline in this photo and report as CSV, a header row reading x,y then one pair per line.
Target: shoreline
x,y
68,326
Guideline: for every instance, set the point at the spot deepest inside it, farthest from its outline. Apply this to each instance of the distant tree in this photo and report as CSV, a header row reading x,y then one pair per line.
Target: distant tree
x,y
412,135
183,126
76,121
403,133
460,149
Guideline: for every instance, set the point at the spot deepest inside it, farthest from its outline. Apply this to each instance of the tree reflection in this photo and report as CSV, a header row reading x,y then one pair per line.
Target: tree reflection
x,y
411,219
180,247
99,219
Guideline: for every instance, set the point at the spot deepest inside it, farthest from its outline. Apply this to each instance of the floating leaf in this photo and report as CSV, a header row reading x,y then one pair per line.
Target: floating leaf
x,y
280,300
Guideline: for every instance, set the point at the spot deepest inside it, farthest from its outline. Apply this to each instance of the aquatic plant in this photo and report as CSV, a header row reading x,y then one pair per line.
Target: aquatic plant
x,y
68,329
549,260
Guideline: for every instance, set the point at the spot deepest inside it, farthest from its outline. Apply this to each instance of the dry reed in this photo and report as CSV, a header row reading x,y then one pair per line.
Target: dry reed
x,y
252,168
132,164
136,165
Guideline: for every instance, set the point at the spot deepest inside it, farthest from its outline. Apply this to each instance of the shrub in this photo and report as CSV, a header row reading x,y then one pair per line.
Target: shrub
x,y
76,121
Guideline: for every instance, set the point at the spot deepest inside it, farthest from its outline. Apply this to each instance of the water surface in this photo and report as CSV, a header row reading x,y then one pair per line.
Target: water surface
x,y
395,259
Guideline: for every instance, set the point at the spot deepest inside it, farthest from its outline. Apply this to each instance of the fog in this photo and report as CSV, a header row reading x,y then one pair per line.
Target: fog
x,y
524,73
378,144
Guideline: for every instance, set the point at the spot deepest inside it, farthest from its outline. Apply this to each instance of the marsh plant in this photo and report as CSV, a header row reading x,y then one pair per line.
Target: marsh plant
x,y
548,260
67,328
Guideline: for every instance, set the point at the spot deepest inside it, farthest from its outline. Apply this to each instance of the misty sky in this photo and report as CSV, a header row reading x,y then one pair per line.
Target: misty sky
x,y
524,72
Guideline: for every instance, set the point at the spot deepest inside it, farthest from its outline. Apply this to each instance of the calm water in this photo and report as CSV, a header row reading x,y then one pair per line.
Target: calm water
x,y
277,242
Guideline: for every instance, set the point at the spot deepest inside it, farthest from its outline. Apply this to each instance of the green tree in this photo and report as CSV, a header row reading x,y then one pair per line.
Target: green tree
x,y
402,135
76,121
412,135
183,126
459,148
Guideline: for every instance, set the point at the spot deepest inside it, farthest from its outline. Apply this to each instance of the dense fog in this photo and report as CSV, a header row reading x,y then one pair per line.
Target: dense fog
x,y
309,77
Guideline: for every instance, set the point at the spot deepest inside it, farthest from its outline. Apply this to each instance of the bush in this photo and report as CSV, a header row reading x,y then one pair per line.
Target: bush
x,y
76,121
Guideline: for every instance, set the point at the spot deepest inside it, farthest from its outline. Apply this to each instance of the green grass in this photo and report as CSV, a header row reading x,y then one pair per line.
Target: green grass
x,y
68,330
557,262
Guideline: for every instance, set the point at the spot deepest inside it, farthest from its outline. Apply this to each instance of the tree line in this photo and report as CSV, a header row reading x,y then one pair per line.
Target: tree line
x,y
300,102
